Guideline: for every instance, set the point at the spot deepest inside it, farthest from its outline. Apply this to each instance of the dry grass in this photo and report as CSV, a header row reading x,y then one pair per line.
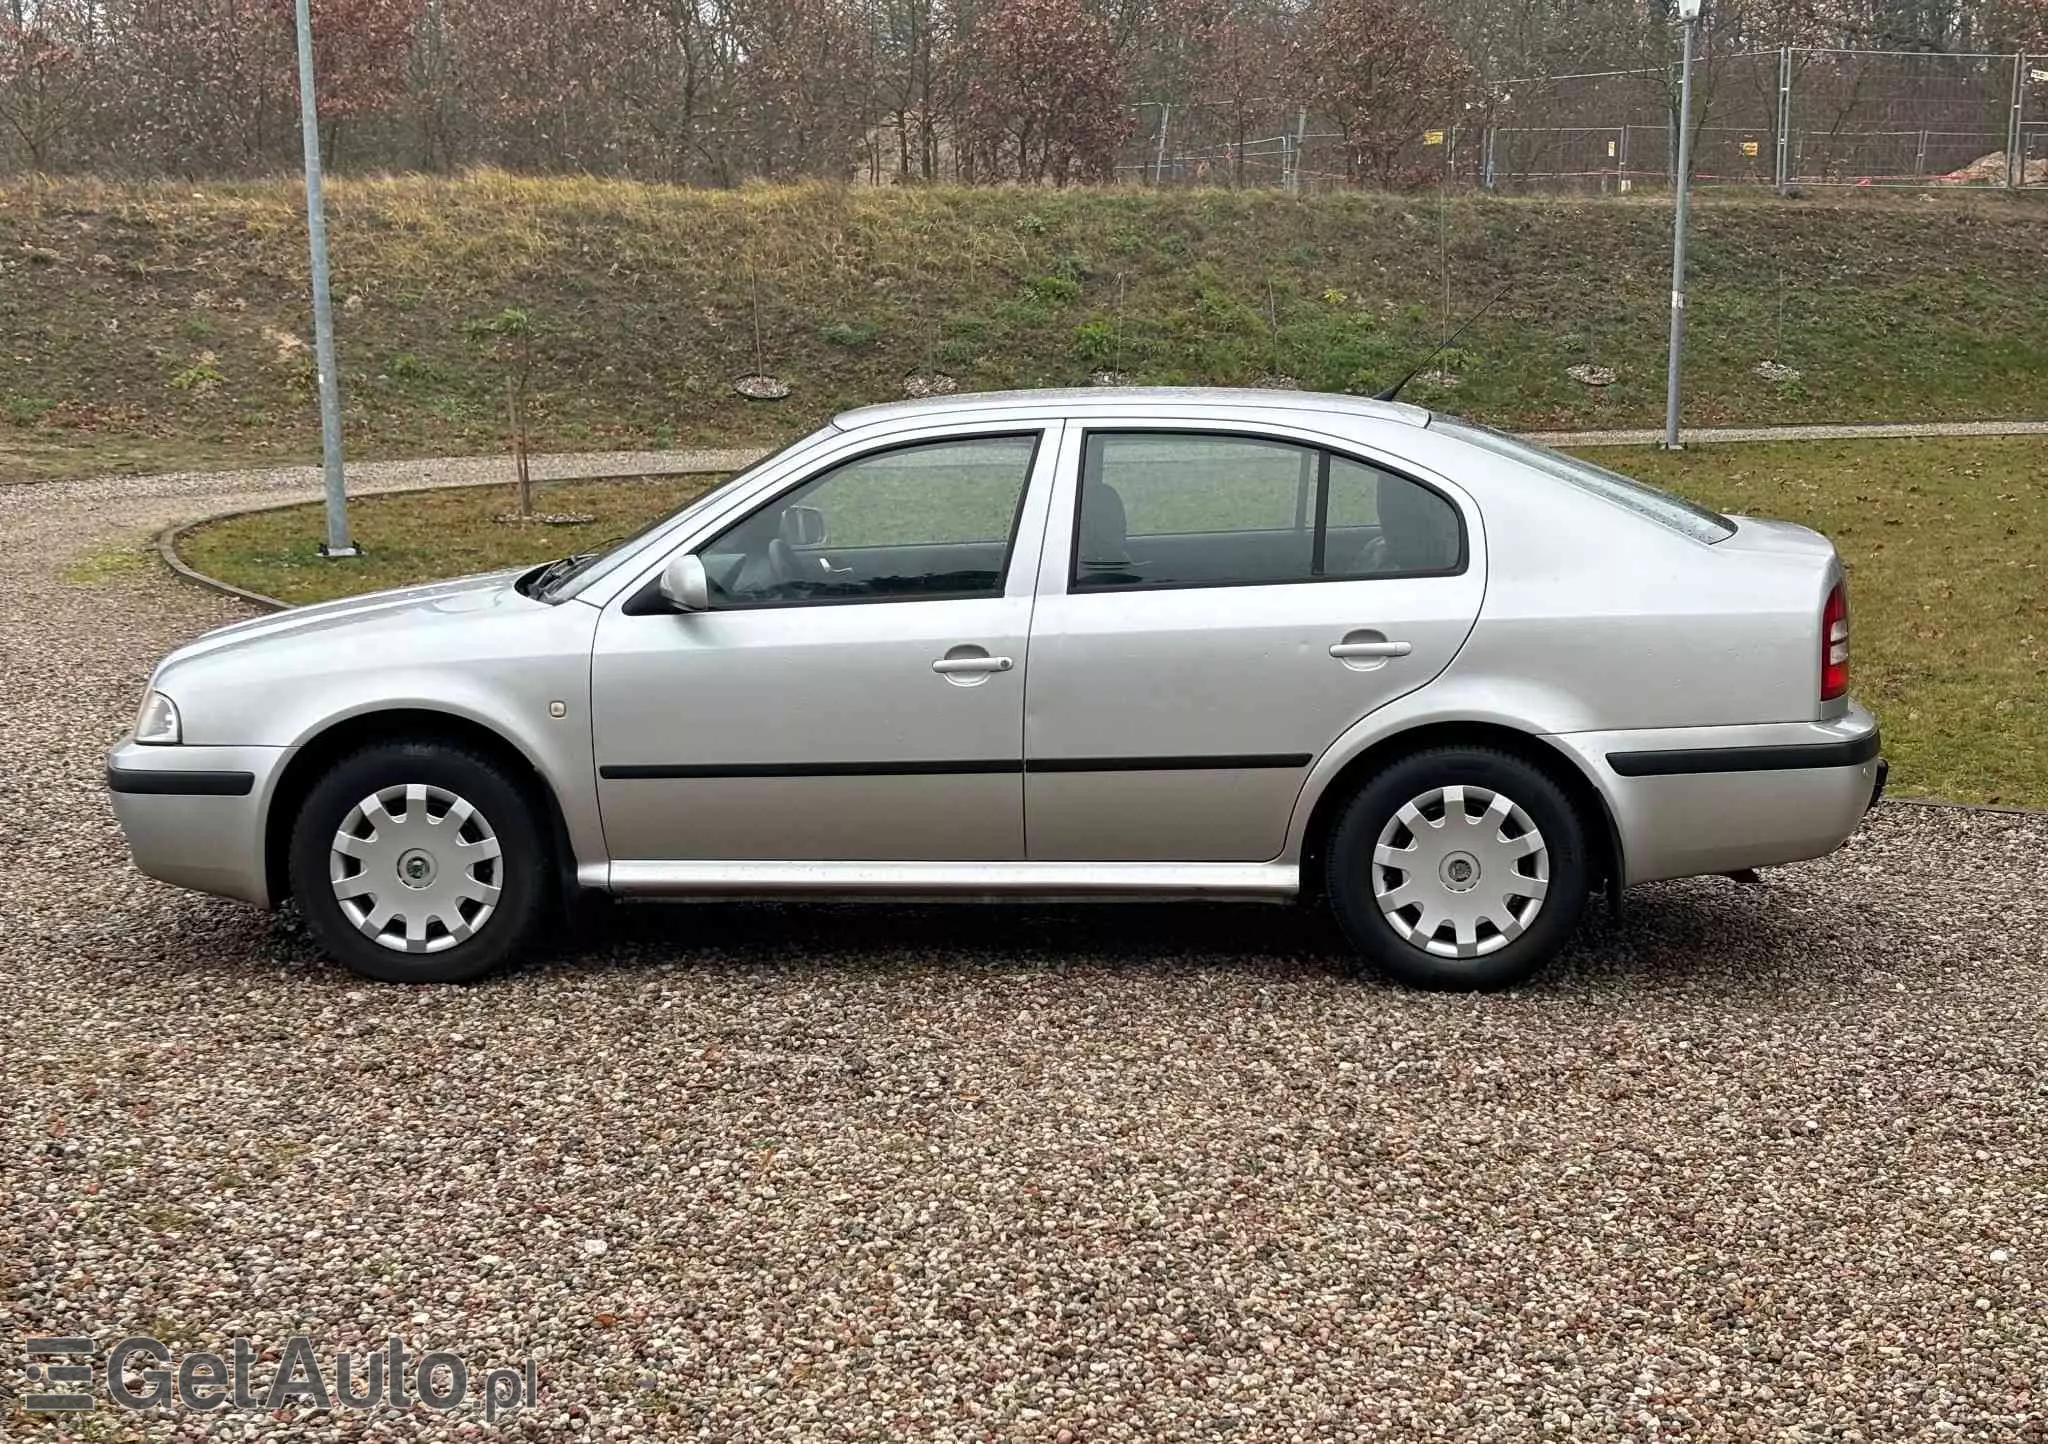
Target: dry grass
x,y
156,324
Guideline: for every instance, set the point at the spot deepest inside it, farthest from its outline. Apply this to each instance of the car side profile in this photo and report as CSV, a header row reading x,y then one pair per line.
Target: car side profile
x,y
1112,643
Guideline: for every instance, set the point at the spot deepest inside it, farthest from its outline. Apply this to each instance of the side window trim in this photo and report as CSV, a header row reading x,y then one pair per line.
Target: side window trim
x,y
1324,452
1034,432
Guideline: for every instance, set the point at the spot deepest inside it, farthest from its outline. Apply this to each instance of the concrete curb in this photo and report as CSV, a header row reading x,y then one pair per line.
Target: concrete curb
x,y
1993,808
167,549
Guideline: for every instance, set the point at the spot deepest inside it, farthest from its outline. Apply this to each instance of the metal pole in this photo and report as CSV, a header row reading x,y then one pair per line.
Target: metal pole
x,y
2019,124
2015,158
1159,159
1784,118
338,542
1671,442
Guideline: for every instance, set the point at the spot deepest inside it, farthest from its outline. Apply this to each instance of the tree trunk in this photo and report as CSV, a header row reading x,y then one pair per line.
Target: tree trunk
x,y
515,411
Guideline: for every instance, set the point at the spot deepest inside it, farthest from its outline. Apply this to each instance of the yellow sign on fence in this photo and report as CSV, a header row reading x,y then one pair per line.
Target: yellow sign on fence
x,y
1432,137
1749,147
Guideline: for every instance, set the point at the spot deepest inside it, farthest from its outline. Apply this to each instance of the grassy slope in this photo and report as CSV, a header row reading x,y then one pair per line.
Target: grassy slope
x,y
1941,539
152,326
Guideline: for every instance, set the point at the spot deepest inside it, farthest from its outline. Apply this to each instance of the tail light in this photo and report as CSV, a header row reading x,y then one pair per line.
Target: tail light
x,y
1834,644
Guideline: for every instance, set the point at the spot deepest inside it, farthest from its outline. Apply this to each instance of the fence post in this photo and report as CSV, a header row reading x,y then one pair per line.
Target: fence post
x,y
1784,166
1486,158
1300,135
2015,158
1159,157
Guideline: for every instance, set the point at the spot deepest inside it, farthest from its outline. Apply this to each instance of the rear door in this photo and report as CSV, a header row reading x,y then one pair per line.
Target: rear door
x,y
1215,607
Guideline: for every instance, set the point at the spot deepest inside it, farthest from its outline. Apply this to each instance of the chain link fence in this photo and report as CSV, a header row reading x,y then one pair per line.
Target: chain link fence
x,y
1786,118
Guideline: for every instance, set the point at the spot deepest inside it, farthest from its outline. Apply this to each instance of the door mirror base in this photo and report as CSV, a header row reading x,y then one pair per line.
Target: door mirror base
x,y
684,584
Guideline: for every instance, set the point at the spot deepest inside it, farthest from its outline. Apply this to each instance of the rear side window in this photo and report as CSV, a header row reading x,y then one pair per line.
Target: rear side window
x,y
1661,507
1184,509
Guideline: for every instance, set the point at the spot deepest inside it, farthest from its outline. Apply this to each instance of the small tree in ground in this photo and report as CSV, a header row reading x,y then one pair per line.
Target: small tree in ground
x,y
509,339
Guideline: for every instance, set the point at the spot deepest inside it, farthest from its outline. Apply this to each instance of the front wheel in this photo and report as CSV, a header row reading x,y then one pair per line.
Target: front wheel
x,y
1460,867
420,861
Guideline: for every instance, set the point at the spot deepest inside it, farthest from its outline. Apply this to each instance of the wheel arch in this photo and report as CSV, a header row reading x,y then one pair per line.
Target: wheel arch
x,y
344,735
1553,761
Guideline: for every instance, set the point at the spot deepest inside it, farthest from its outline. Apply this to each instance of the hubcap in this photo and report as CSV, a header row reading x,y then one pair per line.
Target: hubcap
x,y
1460,871
415,868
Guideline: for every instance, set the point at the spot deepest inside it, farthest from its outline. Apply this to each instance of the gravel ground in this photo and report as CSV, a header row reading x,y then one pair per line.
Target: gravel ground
x,y
1758,1162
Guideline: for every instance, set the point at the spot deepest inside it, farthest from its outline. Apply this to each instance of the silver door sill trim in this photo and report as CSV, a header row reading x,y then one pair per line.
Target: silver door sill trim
x,y
954,879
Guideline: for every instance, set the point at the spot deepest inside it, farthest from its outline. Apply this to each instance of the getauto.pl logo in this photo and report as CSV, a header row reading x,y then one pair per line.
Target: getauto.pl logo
x,y
142,1373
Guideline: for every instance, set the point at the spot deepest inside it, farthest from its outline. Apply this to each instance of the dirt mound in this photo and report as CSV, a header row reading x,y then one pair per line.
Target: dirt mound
x,y
1990,170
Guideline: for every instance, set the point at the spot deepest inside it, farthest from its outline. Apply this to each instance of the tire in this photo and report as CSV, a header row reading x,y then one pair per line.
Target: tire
x,y
1459,932
431,906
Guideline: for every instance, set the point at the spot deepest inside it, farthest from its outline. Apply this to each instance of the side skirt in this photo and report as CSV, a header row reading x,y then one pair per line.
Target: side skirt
x,y
951,881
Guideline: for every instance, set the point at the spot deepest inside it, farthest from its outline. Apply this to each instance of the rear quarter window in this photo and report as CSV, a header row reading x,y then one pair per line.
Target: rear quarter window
x,y
1673,512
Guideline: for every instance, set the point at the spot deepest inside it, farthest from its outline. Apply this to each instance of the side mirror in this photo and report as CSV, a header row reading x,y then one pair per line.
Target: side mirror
x,y
803,526
684,586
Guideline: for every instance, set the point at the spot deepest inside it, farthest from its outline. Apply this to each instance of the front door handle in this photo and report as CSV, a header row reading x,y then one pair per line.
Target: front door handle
x,y
1343,651
950,666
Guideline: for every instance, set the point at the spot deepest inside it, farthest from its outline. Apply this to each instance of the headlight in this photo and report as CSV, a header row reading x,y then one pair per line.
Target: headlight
x,y
157,721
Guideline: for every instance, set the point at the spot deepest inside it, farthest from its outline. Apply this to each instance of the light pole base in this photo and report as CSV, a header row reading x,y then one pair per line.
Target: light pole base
x,y
1671,446
332,553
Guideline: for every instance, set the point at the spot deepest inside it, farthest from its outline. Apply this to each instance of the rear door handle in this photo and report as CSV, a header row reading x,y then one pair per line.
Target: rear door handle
x,y
949,666
1345,650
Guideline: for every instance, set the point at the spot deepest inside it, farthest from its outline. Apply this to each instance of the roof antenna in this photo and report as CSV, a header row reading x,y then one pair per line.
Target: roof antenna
x,y
1442,346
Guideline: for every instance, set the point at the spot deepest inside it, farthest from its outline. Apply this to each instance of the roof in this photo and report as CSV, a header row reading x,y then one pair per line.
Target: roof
x,y
1086,398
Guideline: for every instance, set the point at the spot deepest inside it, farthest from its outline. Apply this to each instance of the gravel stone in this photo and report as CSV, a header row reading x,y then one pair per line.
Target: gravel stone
x,y
1755,1162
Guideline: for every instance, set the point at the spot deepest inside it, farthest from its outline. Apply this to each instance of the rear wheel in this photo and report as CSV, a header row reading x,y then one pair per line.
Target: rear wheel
x,y
420,861
1460,867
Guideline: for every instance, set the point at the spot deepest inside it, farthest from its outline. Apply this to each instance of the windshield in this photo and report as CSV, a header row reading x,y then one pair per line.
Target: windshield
x,y
1662,507
563,582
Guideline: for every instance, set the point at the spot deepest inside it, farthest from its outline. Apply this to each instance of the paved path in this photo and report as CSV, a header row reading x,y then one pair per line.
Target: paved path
x,y
287,483
1758,1161
1871,431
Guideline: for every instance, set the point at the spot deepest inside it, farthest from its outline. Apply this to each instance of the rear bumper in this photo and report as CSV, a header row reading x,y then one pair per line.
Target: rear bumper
x,y
193,816
1719,799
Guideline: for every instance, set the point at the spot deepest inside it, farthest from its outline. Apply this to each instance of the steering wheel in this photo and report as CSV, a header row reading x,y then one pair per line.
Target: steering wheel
x,y
792,569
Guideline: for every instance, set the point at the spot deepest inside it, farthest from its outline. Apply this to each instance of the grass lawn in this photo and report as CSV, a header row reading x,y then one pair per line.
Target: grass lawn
x,y
424,535
1942,539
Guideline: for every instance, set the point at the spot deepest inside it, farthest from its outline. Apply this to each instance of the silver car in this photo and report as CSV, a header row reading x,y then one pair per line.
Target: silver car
x,y
1088,644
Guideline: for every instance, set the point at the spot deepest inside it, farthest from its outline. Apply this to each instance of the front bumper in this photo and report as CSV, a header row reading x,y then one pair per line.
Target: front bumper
x,y
1689,800
193,816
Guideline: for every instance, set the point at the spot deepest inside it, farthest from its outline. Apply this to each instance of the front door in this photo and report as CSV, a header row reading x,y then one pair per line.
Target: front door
x,y
1214,609
855,691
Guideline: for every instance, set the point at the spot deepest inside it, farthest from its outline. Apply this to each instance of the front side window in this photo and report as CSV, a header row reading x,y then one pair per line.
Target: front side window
x,y
932,520
1174,509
